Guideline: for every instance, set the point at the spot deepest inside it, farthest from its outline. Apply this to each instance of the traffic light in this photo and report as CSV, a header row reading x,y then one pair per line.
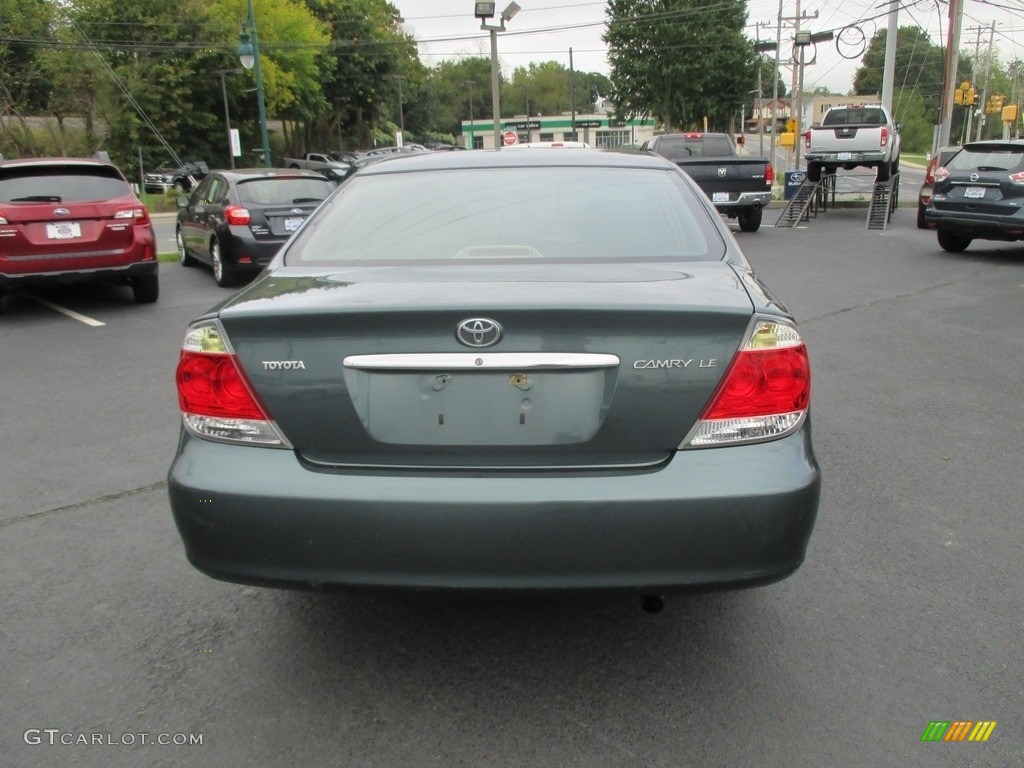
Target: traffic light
x,y
995,104
964,95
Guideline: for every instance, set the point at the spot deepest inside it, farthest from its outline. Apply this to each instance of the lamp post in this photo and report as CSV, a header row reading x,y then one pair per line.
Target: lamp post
x,y
227,115
470,83
484,11
249,55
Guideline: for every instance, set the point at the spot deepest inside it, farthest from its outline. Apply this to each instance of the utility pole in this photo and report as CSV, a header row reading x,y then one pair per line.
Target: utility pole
x,y
988,74
889,70
977,60
798,67
956,13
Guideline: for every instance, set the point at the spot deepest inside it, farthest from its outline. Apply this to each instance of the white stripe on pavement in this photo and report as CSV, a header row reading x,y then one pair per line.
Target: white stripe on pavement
x,y
69,312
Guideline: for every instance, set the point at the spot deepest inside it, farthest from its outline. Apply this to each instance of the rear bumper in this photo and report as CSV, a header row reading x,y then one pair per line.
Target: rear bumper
x,y
976,225
120,273
855,157
746,200
706,519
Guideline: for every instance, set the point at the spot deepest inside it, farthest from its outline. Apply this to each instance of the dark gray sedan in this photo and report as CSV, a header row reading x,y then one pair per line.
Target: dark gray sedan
x,y
500,371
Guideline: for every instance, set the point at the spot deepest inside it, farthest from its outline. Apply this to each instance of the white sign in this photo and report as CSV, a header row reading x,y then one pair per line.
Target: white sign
x,y
236,143
399,139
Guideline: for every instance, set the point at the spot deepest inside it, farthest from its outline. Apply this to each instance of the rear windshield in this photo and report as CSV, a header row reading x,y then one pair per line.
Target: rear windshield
x,y
61,184
680,148
283,191
554,213
988,159
860,116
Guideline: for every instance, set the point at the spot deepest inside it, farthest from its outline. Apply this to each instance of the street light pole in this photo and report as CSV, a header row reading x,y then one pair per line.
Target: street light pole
x,y
249,55
485,11
470,83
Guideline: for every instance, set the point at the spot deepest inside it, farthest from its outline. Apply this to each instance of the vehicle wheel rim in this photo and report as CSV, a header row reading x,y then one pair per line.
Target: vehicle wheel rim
x,y
181,246
218,265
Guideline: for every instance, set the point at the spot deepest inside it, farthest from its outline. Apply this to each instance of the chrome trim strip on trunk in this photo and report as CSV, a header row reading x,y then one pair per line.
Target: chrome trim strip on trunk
x,y
481,361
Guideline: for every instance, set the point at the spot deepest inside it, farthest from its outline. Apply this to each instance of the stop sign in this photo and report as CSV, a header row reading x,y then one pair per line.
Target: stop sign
x,y
509,138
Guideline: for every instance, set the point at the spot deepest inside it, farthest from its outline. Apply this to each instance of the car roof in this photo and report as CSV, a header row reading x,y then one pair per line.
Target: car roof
x,y
994,144
490,158
55,161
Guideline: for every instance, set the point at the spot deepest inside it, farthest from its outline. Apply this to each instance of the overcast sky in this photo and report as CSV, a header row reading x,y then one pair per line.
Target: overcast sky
x,y
545,30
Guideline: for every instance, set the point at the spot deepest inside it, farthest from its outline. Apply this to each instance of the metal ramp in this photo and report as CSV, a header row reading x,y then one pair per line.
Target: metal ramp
x,y
799,206
809,198
884,198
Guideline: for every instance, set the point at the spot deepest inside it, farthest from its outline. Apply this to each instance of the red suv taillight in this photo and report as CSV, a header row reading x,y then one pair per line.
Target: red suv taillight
x,y
215,397
765,392
940,174
929,173
136,212
236,214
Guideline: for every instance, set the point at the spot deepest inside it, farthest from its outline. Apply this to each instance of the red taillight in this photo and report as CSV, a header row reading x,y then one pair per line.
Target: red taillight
x,y
216,400
940,174
1017,178
763,382
929,173
884,136
764,394
212,385
693,135
807,139
236,214
3,218
137,213
769,174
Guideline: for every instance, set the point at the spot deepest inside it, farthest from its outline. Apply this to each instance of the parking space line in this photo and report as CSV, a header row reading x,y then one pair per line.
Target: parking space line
x,y
69,312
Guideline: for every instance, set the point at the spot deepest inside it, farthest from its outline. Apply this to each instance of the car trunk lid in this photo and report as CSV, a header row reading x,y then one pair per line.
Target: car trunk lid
x,y
596,365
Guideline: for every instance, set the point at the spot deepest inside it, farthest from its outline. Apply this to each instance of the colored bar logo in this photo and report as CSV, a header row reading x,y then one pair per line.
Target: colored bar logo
x,y
958,730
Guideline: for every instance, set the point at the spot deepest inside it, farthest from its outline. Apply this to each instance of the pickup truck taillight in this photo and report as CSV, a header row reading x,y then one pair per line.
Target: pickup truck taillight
x,y
807,139
884,136
769,174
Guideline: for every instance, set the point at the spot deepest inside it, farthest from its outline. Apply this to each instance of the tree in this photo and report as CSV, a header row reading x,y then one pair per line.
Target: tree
x,y
680,60
24,84
919,66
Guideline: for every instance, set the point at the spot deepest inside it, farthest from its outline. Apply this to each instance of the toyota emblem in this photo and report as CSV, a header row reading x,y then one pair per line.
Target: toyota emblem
x,y
478,332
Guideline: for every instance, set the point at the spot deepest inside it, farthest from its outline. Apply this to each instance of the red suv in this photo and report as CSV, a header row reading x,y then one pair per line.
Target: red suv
x,y
67,220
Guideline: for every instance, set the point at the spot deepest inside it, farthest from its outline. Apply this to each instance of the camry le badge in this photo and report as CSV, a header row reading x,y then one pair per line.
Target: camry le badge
x,y
478,332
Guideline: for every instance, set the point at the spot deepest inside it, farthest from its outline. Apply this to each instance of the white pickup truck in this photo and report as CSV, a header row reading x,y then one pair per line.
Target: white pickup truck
x,y
853,137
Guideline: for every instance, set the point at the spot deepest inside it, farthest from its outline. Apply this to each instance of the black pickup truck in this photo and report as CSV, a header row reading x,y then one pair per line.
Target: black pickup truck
x,y
738,186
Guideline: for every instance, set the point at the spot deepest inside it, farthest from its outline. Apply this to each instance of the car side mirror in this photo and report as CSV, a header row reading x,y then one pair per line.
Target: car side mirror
x,y
181,201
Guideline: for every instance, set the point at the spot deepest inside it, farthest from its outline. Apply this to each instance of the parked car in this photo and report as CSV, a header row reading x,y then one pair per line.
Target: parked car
x,y
979,195
176,179
236,220
924,196
499,370
70,220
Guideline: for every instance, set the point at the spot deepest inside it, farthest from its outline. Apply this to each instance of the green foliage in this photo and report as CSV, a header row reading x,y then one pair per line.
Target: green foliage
x,y
680,60
919,66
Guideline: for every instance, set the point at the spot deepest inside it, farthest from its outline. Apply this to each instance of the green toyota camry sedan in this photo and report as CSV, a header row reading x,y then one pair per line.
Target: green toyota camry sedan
x,y
548,370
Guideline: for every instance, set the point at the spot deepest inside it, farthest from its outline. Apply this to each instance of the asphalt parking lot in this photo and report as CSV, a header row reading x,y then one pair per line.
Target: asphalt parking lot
x,y
907,611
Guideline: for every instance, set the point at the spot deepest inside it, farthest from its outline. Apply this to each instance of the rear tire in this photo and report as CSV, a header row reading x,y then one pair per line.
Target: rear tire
x,y
146,288
921,223
884,172
953,243
183,258
814,172
222,276
749,219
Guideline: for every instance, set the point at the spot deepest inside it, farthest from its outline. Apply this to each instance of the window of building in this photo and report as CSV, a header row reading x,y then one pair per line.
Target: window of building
x,y
611,139
547,137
